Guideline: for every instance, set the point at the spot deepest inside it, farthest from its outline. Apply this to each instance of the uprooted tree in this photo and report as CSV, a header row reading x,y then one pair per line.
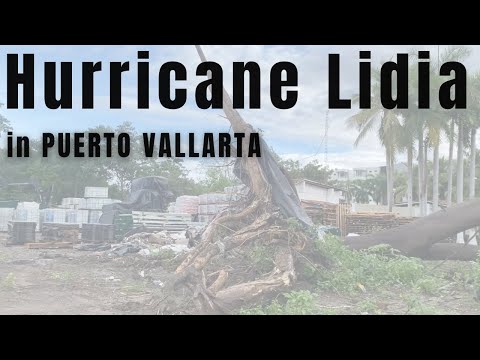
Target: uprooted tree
x,y
263,217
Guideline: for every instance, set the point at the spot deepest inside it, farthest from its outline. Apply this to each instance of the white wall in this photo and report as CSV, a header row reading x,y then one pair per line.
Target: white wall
x,y
312,192
400,210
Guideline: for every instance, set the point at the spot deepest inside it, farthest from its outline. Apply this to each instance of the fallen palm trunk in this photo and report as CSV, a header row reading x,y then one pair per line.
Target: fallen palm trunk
x,y
452,252
417,237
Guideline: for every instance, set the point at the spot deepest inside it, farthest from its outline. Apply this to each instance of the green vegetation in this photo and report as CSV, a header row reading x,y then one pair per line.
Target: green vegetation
x,y
351,271
64,278
9,282
297,303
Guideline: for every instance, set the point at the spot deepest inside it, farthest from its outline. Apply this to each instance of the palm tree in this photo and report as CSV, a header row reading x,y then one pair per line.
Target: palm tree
x,y
451,139
406,144
456,53
474,112
387,123
461,136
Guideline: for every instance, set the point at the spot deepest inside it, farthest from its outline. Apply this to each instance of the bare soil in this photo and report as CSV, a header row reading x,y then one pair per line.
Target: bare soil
x,y
68,281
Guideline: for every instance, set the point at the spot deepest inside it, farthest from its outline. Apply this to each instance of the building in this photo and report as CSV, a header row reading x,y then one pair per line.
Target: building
x,y
312,190
360,173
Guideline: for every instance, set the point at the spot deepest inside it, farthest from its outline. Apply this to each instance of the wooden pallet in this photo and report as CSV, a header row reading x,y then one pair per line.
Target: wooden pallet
x,y
162,221
50,245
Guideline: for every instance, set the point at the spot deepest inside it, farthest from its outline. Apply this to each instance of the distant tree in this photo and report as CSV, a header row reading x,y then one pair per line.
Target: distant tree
x,y
4,123
217,179
313,170
373,188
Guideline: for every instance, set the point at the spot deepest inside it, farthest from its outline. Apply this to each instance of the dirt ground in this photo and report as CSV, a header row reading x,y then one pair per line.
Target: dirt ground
x,y
68,281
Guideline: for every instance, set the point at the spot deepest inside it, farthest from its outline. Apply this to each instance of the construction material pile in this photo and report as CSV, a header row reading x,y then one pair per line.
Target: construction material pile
x,y
186,205
60,233
321,212
368,223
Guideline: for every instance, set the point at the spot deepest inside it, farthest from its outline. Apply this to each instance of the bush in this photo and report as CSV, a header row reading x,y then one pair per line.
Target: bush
x,y
351,271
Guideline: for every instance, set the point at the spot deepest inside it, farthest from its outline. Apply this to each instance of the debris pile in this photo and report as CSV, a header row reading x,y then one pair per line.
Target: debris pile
x,y
147,244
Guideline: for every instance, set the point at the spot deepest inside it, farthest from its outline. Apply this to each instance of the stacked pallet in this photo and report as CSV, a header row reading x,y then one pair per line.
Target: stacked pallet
x,y
21,232
212,204
52,232
162,221
97,233
321,212
367,223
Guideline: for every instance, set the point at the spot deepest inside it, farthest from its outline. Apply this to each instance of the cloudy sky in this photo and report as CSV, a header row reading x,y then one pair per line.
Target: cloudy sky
x,y
297,133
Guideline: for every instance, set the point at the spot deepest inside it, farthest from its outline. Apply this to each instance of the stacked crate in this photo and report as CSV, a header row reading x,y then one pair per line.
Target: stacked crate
x,y
95,199
97,233
186,205
28,212
212,204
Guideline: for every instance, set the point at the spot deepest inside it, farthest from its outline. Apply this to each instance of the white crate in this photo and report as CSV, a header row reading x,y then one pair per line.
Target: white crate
x,y
77,217
96,192
73,203
25,205
57,216
97,204
27,214
6,215
94,216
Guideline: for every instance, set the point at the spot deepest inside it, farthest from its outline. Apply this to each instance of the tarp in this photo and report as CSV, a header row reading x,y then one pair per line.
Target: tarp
x,y
284,193
149,193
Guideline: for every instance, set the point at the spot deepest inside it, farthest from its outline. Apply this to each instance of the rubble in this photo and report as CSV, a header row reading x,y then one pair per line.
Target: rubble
x,y
148,244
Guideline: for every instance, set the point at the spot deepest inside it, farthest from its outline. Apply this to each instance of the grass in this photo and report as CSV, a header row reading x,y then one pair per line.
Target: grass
x,y
368,306
9,282
136,288
379,273
295,303
65,278
350,272
416,307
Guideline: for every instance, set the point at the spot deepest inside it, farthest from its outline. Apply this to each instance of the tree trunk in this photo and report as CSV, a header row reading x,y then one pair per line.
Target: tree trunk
x,y
473,143
452,252
450,164
460,163
425,181
417,237
260,219
410,180
421,165
389,175
392,183
436,174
